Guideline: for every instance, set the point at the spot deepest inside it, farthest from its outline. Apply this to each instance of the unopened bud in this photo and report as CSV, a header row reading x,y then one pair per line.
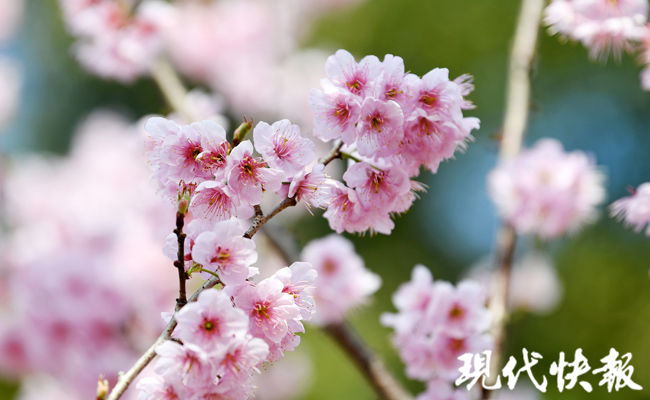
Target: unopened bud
x,y
102,388
241,131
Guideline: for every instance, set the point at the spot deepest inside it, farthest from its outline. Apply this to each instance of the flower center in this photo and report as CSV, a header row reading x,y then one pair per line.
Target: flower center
x,y
208,325
456,312
457,344
428,99
376,121
262,310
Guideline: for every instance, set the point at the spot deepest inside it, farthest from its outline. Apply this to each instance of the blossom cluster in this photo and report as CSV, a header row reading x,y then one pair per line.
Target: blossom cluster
x,y
600,25
604,26
635,209
226,335
226,182
392,123
247,50
436,323
547,191
343,282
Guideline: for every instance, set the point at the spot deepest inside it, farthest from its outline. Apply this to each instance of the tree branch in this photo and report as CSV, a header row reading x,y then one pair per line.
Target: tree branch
x,y
515,121
180,261
371,366
333,155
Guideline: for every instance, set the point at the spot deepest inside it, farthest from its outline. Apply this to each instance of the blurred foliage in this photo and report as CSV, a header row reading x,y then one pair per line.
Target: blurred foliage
x,y
599,108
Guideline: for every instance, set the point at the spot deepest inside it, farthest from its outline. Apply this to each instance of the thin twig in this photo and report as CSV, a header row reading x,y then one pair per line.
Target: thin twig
x,y
180,261
334,154
514,127
371,366
261,219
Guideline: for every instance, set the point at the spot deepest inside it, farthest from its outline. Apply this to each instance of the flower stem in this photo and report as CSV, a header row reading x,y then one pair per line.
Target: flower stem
x,y
180,261
514,128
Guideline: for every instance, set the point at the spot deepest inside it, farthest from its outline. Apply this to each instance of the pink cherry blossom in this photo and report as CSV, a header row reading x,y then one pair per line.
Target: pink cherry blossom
x,y
346,73
600,25
430,139
436,323
299,280
115,42
311,186
547,191
158,388
283,147
377,188
186,360
249,177
343,282
461,310
240,357
211,321
336,112
215,201
225,250
269,308
392,82
380,128
344,210
214,148
174,151
634,210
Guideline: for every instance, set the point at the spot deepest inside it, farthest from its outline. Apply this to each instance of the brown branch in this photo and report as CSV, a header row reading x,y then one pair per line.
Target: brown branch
x,y
371,366
180,261
514,127
333,155
262,219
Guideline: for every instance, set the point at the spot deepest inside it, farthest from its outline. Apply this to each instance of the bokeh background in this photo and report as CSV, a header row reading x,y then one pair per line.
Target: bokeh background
x,y
599,108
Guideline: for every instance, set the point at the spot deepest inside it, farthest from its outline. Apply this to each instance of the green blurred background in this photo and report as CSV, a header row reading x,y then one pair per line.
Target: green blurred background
x,y
599,108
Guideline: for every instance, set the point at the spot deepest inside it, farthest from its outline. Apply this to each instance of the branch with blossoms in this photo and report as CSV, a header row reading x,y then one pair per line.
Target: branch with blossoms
x,y
388,122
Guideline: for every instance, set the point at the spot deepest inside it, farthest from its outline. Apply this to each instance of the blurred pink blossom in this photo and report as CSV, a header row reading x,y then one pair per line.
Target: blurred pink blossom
x,y
547,191
634,210
603,26
343,282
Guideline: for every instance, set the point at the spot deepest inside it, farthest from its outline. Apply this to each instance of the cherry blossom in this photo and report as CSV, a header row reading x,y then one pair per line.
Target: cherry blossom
x,y
225,250
343,282
634,210
547,191
249,177
601,25
283,147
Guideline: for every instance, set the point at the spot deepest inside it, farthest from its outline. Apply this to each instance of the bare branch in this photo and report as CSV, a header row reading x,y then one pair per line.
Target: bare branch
x,y
333,155
180,261
514,127
371,366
